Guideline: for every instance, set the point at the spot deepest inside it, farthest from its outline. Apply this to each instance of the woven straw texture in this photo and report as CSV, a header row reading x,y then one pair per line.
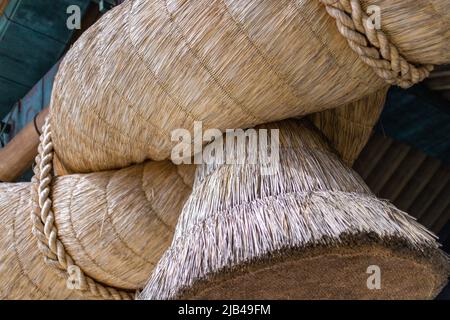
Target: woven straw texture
x,y
115,225
236,217
149,67
348,128
23,273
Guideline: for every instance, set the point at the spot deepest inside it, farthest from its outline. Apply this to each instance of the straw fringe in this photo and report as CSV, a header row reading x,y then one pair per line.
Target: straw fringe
x,y
236,215
255,230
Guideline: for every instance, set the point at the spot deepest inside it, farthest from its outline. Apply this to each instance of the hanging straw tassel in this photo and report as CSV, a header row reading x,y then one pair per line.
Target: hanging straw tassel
x,y
149,67
310,231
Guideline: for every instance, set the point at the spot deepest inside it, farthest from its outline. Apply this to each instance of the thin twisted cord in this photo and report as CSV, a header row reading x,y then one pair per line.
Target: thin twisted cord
x,y
373,46
44,228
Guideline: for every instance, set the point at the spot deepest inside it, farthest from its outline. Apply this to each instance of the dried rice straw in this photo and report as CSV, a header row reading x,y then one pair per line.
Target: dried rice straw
x,y
310,230
348,128
113,225
149,67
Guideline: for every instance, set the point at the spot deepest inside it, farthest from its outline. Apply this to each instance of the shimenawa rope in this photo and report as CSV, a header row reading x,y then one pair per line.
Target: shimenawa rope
x,y
372,46
44,228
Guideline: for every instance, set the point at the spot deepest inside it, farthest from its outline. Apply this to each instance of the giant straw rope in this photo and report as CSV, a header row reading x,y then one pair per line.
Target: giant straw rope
x,y
372,46
46,233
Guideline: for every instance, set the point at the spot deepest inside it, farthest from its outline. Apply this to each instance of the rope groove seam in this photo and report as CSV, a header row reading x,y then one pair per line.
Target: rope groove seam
x,y
83,247
214,75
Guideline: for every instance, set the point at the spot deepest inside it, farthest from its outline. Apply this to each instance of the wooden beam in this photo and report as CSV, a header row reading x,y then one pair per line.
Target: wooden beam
x,y
3,4
18,155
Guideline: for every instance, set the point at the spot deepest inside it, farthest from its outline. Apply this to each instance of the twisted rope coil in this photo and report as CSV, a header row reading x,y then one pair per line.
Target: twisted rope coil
x,y
45,231
373,46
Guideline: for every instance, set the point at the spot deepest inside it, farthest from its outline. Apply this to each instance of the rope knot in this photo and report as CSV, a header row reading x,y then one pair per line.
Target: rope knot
x,y
372,45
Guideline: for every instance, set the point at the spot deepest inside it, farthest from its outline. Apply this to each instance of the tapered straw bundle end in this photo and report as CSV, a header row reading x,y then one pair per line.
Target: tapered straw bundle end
x,y
311,230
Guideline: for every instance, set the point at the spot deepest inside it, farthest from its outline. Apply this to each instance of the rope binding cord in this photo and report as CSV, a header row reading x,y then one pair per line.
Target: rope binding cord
x,y
44,228
373,46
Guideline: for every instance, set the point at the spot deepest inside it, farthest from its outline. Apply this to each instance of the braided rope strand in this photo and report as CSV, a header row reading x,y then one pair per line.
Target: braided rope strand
x,y
373,46
46,233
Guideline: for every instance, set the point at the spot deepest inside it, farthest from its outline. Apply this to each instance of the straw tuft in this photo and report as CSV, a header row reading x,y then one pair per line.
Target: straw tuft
x,y
236,216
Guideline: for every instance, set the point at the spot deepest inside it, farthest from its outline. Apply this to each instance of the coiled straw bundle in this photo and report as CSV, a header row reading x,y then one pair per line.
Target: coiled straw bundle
x,y
309,230
149,67
114,225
